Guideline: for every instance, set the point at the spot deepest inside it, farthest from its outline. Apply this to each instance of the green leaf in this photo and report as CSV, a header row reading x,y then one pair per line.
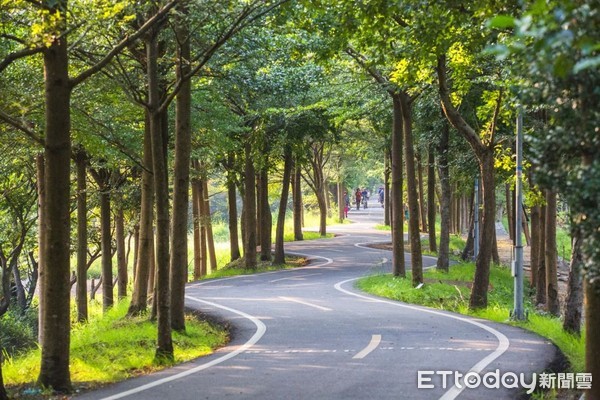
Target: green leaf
x,y
591,62
502,22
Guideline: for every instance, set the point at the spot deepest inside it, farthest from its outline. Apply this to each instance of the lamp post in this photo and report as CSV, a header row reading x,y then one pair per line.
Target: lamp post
x,y
518,312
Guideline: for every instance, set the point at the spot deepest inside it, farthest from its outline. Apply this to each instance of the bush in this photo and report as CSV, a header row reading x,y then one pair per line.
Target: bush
x,y
18,331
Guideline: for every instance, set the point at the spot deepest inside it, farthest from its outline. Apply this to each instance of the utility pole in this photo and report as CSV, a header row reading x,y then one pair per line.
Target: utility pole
x,y
518,313
476,220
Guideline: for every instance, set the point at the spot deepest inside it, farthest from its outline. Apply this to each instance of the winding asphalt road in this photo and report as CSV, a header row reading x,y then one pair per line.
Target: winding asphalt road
x,y
308,334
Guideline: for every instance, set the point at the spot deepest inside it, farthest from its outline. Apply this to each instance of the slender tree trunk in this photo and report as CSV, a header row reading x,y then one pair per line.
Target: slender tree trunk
x,y
164,348
469,250
386,187
287,172
413,199
340,199
197,229
552,301
121,253
574,300
210,239
250,209
509,212
81,288
443,171
106,242
421,192
181,179
145,259
55,285
136,248
535,243
41,189
540,298
431,199
234,244
592,327
482,270
495,254
266,221
297,202
398,267
259,209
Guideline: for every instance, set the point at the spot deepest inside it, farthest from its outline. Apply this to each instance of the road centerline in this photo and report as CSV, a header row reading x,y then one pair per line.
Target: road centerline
x,y
375,340
292,299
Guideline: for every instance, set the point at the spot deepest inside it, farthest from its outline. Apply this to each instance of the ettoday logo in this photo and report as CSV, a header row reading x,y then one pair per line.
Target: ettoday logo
x,y
509,380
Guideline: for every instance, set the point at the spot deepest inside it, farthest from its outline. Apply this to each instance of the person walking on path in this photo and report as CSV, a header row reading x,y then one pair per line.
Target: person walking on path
x,y
346,204
358,196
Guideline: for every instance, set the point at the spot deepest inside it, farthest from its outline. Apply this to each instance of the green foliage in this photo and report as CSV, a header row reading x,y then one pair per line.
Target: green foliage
x,y
18,331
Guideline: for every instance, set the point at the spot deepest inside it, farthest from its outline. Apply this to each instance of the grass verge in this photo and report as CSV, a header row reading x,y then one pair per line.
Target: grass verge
x,y
450,291
127,345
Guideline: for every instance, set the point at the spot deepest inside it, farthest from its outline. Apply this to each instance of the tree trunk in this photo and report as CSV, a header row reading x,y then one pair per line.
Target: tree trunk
x,y
340,199
495,254
234,244
386,188
139,296
279,231
398,267
197,229
164,347
121,253
266,220
535,243
552,301
481,280
509,212
592,327
413,199
443,171
421,188
431,199
102,177
181,178
55,286
41,189
574,300
250,209
81,288
297,202
136,247
540,298
207,220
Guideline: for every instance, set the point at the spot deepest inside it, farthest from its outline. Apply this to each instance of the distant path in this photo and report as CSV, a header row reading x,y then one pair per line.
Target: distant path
x,y
307,333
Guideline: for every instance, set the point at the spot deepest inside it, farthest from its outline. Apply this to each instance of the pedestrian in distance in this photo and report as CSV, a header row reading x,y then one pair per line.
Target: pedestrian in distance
x,y
358,197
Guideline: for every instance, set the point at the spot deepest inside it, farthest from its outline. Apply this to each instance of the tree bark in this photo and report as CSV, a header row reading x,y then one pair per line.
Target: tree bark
x,y
121,253
81,289
574,300
421,192
540,297
398,267
197,229
207,220
164,347
41,189
105,219
181,178
297,201
551,258
413,199
535,243
279,231
386,188
234,244
139,296
55,286
443,171
509,212
431,214
249,209
266,220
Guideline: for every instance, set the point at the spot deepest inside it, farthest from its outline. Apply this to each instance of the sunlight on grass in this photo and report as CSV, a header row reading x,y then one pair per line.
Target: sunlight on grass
x,y
127,345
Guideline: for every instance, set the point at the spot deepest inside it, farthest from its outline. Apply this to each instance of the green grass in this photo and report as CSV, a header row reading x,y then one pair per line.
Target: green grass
x,y
236,268
127,345
448,291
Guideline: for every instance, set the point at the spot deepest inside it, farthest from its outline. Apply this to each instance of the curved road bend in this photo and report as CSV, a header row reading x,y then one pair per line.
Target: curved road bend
x,y
308,334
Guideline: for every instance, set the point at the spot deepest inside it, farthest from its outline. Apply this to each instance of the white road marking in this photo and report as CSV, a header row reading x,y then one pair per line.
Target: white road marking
x,y
375,340
260,331
503,342
305,303
294,277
